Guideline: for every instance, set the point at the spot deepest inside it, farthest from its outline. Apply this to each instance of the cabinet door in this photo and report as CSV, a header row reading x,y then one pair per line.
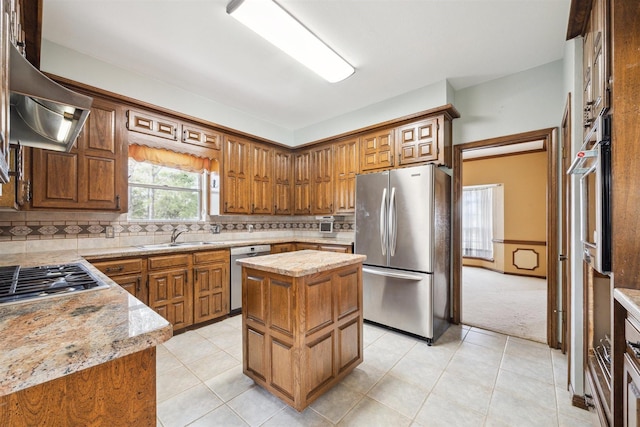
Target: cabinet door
x,y
92,175
376,150
631,391
5,11
149,124
201,136
132,284
302,183
418,142
236,188
322,180
587,89
598,57
171,296
211,291
262,179
283,173
346,163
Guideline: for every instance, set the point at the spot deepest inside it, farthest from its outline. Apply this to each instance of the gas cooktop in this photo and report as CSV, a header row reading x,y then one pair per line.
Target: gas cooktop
x,y
25,283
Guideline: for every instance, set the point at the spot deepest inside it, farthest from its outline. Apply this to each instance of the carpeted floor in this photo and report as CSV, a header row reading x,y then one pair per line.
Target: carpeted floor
x,y
513,305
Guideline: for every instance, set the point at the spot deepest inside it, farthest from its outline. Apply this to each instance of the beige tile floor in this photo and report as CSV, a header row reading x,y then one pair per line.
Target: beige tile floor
x,y
470,377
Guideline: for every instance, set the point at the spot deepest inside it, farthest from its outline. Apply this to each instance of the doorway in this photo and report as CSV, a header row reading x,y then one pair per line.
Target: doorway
x,y
548,138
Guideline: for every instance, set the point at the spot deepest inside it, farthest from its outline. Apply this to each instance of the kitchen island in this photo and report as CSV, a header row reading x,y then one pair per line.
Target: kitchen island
x,y
85,358
301,322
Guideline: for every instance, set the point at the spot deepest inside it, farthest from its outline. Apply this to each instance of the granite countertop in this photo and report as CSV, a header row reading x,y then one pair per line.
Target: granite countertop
x,y
630,300
106,253
51,337
301,263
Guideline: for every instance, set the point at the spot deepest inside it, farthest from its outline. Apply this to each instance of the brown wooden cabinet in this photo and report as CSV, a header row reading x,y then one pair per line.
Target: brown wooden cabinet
x,y
93,175
152,124
418,142
322,180
279,248
170,290
302,183
130,273
324,247
197,135
376,150
283,179
119,392
261,160
6,7
211,285
301,335
236,187
347,164
596,70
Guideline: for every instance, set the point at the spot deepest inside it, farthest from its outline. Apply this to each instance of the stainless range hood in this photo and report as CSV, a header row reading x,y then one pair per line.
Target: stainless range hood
x,y
44,114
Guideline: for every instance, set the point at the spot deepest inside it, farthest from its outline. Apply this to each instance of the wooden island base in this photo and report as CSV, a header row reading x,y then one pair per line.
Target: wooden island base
x,y
301,333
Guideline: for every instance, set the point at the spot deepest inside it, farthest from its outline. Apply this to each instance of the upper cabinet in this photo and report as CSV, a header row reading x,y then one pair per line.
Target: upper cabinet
x,y
236,184
283,179
262,179
419,142
376,150
426,138
93,175
5,19
596,70
322,180
346,167
196,135
302,183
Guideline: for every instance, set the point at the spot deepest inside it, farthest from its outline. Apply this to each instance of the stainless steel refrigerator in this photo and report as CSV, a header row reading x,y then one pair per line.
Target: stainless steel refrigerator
x,y
403,226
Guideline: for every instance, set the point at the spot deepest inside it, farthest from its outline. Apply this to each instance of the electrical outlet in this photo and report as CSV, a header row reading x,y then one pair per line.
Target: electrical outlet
x,y
215,229
109,232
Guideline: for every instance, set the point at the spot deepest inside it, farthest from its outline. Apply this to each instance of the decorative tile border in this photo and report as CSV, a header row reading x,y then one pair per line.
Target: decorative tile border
x,y
23,230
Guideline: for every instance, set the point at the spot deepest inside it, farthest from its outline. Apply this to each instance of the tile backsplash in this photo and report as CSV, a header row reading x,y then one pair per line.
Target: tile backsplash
x,y
29,231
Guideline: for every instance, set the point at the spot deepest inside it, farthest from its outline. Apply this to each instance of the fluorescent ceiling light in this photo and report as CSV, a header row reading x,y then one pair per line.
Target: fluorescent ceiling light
x,y
277,26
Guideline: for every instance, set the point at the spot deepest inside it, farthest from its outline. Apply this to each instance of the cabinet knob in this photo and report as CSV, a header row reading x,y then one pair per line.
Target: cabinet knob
x,y
114,269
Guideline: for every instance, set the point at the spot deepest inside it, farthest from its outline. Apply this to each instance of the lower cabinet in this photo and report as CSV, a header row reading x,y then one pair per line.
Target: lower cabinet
x,y
211,285
130,273
289,247
170,292
279,248
301,335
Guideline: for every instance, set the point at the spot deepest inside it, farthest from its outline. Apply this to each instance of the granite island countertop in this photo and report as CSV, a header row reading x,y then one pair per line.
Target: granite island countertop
x,y
48,338
301,263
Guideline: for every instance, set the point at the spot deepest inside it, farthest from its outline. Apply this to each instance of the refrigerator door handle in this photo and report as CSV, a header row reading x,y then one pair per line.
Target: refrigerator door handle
x,y
383,222
395,275
393,222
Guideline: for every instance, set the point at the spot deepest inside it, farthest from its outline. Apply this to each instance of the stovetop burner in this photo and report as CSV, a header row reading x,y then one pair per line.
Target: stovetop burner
x,y
18,284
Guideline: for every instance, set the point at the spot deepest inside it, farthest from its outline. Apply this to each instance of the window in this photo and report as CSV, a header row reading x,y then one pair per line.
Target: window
x,y
163,193
477,221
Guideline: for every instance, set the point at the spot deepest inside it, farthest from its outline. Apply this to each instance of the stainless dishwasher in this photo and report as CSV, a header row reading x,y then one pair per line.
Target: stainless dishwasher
x,y
236,270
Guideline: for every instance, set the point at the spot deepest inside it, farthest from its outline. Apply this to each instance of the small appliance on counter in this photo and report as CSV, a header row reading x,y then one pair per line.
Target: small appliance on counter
x,y
326,224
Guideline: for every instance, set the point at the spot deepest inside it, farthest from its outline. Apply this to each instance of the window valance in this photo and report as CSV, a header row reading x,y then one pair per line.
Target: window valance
x,y
164,157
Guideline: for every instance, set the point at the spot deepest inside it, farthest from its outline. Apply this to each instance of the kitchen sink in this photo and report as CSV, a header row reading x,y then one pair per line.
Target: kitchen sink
x,y
174,245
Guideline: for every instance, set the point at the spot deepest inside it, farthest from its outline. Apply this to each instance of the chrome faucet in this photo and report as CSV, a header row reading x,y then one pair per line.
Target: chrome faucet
x,y
174,235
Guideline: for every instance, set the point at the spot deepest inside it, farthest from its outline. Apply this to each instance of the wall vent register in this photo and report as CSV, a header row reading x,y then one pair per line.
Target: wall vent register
x,y
19,284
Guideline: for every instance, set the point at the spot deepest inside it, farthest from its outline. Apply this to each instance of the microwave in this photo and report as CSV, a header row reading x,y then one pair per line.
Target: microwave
x,y
594,168
326,224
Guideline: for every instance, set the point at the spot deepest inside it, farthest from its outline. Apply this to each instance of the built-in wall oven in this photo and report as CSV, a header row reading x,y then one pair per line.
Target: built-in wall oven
x,y
593,165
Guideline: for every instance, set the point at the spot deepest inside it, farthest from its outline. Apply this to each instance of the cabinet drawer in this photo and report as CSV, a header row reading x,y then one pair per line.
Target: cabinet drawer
x,y
169,261
210,256
121,266
335,248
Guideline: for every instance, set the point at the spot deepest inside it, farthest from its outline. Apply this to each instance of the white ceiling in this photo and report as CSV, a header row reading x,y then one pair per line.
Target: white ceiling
x,y
396,46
